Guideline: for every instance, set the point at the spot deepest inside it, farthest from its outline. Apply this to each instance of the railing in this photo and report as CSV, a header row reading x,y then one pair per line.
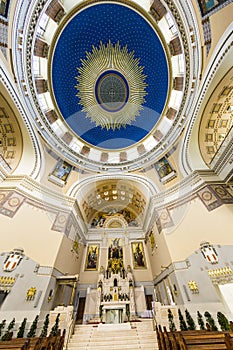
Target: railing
x,y
153,320
69,333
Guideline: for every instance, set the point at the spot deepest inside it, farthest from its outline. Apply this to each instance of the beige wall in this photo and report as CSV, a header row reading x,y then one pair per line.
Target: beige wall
x,y
30,229
219,22
160,255
199,225
196,225
67,261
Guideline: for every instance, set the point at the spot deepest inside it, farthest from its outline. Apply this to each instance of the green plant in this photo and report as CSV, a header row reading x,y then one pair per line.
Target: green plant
x,y
32,330
223,322
172,326
2,325
211,321
22,328
45,327
200,321
54,330
190,321
183,325
9,333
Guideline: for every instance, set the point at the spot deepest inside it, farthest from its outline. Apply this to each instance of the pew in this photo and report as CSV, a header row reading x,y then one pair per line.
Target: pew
x,y
16,344
194,340
36,343
205,343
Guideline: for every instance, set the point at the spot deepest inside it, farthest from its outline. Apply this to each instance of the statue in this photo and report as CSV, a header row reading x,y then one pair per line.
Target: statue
x,y
31,293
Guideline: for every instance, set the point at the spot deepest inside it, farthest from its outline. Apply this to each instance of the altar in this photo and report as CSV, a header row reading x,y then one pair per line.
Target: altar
x,y
114,312
114,298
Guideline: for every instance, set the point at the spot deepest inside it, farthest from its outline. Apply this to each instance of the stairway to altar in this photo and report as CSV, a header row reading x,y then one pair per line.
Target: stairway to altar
x,y
136,335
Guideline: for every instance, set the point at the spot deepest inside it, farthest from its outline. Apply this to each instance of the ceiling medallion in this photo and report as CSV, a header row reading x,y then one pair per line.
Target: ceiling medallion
x,y
111,86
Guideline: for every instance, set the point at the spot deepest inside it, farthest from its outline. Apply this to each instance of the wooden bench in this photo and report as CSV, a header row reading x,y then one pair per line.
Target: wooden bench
x,y
36,343
16,344
194,340
204,340
207,341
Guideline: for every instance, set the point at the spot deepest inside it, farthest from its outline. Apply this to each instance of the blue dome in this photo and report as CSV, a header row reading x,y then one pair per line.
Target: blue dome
x,y
103,23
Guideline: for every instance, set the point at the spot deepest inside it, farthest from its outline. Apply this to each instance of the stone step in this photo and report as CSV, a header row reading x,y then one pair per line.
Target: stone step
x,y
133,326
91,337
144,346
112,340
111,335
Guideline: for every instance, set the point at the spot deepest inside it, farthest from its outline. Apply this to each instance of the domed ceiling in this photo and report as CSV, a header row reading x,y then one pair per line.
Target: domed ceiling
x,y
109,82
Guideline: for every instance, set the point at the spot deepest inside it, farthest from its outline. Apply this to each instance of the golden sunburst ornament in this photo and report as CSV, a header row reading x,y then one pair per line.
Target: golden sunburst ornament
x,y
111,86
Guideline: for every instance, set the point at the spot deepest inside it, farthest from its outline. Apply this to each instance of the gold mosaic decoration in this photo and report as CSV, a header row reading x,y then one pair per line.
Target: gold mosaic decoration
x,y
121,80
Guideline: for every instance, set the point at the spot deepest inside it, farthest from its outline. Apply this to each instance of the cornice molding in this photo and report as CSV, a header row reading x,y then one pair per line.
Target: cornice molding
x,y
47,199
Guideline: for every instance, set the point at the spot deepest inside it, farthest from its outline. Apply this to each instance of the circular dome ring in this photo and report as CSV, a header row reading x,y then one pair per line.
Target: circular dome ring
x,y
73,151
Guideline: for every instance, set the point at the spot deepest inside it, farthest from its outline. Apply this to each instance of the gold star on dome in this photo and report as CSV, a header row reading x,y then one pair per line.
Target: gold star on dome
x,y
111,86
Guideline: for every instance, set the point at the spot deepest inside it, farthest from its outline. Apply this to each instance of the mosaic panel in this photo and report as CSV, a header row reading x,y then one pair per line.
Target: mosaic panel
x,y
10,204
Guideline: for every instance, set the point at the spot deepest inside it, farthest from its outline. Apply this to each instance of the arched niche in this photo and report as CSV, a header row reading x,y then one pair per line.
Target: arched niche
x,y
20,135
218,67
121,199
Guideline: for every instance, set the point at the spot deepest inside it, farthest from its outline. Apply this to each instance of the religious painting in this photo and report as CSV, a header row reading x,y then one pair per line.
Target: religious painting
x,y
115,255
119,214
207,6
92,257
139,261
164,170
4,5
60,173
115,249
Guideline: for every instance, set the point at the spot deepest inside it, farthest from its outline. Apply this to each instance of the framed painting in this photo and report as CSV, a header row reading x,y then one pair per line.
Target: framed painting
x,y
164,170
4,5
92,257
60,173
115,250
139,261
207,6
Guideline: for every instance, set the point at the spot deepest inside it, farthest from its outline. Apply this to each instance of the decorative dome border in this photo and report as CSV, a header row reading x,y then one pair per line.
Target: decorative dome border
x,y
100,161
